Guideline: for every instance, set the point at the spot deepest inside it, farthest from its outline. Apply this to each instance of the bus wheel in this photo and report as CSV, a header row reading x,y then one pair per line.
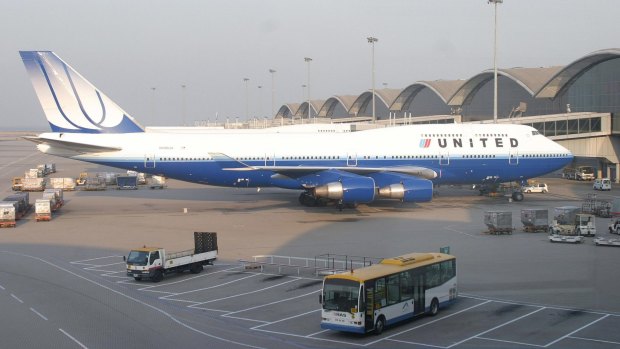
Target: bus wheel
x,y
434,307
380,325
196,268
137,278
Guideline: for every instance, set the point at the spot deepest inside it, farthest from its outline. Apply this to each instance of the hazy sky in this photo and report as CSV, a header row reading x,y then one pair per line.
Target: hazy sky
x,y
127,47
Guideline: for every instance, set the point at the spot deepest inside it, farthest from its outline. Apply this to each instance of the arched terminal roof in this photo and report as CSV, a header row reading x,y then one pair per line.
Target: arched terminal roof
x,y
531,79
565,78
303,107
327,109
444,89
385,96
287,111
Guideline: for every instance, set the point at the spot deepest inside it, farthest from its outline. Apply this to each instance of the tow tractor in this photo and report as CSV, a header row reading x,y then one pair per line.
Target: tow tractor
x,y
570,226
154,262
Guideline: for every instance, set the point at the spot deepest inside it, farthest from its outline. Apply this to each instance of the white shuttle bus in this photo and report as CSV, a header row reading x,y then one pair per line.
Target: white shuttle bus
x,y
370,298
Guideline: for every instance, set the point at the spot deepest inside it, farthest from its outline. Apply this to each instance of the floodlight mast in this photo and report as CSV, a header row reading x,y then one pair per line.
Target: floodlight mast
x,y
495,2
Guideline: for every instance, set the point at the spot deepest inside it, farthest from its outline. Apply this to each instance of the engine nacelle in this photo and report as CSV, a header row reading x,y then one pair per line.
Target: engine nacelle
x,y
348,190
409,190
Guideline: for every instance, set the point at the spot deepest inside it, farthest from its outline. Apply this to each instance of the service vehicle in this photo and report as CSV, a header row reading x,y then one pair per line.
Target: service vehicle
x,y
568,221
536,188
370,298
16,184
154,262
127,182
607,242
602,184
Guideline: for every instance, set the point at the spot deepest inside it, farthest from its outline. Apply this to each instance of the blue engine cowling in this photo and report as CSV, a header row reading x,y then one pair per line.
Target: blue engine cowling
x,y
403,187
352,190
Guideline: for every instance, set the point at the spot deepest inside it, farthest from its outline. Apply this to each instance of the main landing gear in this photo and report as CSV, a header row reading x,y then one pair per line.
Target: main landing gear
x,y
309,200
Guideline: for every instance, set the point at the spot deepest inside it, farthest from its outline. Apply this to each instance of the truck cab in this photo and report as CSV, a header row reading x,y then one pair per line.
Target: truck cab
x,y
145,262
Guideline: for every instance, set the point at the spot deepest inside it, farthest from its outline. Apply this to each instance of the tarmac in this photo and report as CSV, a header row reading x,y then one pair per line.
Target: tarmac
x,y
64,279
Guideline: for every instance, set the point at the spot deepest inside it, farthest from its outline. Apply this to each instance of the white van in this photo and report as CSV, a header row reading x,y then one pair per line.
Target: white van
x,y
602,184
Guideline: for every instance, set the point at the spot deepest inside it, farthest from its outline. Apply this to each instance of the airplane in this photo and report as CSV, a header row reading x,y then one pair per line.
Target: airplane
x,y
345,168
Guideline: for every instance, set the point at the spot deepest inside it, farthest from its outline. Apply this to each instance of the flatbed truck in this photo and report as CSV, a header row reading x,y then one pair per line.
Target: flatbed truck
x,y
154,262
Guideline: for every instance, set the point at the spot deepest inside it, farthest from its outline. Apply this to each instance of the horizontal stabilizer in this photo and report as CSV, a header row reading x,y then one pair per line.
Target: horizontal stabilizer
x,y
81,148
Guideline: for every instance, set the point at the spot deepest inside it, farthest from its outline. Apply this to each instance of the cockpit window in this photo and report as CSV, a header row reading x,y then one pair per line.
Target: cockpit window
x,y
534,133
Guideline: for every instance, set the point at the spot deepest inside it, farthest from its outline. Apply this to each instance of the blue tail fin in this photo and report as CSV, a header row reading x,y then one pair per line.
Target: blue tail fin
x,y
70,102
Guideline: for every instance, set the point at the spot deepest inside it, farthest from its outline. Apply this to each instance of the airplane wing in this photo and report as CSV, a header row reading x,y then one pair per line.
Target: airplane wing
x,y
81,148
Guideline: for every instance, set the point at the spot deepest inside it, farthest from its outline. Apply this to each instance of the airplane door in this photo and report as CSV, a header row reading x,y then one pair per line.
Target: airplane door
x,y
351,159
149,161
513,157
270,160
444,159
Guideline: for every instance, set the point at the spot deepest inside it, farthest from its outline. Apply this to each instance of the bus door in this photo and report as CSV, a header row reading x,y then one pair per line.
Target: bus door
x,y
418,292
369,318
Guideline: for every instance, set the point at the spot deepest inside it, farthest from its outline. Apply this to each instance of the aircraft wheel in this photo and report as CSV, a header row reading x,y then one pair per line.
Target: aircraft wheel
x,y
517,196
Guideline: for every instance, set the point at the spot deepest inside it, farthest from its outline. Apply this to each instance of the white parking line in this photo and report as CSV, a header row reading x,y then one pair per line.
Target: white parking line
x,y
16,298
416,343
577,330
93,259
2,288
247,293
278,301
594,340
510,342
460,232
285,319
496,327
40,315
73,338
210,287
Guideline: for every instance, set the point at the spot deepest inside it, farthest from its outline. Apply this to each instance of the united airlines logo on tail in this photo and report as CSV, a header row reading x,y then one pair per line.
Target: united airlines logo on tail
x,y
70,102
425,142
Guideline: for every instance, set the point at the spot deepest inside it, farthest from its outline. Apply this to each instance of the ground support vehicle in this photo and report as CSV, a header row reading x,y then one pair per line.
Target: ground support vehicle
x,y
16,184
573,239
81,180
153,262
127,182
43,210
396,289
500,190
498,222
607,242
568,222
535,220
602,184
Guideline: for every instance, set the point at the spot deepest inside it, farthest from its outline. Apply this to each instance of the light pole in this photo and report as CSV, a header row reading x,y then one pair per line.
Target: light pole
x,y
495,2
260,100
273,92
308,60
371,41
153,103
183,106
246,97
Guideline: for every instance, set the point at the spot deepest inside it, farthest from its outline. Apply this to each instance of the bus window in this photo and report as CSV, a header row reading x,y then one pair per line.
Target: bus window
x,y
393,289
380,300
406,285
447,271
433,276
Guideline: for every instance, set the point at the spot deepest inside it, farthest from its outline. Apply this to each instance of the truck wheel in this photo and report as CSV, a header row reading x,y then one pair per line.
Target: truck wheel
x,y
517,196
195,268
157,276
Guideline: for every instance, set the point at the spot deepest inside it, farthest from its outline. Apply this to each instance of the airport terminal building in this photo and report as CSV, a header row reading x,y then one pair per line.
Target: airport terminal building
x,y
576,105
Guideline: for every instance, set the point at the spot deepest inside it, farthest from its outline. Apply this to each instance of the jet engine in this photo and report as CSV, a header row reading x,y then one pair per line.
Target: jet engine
x,y
348,190
404,188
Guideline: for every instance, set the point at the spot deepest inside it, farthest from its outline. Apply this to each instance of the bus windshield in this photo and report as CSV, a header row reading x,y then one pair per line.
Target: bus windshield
x,y
339,294
138,258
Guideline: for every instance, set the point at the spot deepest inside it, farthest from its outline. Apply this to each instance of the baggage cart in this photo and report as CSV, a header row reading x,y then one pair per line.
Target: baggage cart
x,y
8,210
535,220
498,222
43,210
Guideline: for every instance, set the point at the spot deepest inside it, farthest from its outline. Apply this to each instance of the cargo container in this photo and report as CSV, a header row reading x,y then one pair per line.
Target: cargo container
x,y
43,210
498,222
94,183
141,176
8,212
33,184
154,262
33,173
108,177
157,182
55,198
535,220
23,203
61,183
126,182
